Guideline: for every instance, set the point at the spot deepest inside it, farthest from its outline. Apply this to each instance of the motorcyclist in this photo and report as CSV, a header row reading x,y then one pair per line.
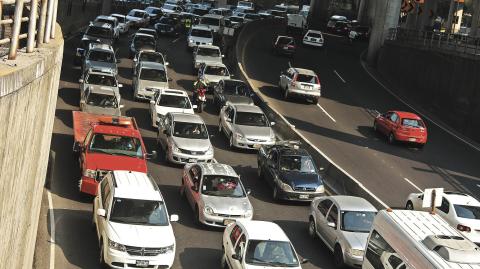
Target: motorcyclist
x,y
198,86
352,35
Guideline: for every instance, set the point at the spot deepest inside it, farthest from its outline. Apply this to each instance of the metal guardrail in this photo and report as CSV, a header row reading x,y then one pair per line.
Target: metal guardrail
x,y
11,24
461,45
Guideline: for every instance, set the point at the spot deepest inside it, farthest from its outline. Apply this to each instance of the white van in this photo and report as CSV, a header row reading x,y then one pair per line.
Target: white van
x,y
404,239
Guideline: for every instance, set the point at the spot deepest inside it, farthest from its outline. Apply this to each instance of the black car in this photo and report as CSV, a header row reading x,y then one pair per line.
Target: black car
x,y
284,45
168,26
290,171
341,28
233,91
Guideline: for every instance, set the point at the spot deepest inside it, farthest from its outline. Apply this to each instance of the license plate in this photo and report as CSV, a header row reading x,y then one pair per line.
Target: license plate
x,y
141,263
412,139
308,87
192,160
303,196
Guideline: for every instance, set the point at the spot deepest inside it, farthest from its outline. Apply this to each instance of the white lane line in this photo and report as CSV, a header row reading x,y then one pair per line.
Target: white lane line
x,y
52,230
338,75
411,183
416,111
176,39
326,113
333,35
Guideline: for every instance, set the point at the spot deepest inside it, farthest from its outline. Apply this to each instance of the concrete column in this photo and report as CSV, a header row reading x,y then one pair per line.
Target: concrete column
x,y
475,19
318,13
387,14
221,3
106,7
361,15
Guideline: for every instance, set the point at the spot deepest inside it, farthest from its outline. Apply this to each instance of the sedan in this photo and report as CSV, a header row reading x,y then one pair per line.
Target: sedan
x,y
284,45
401,126
313,38
215,193
168,26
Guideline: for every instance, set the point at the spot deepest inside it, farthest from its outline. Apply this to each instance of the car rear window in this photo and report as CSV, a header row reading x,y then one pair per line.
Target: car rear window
x,y
413,123
306,78
201,33
286,41
316,35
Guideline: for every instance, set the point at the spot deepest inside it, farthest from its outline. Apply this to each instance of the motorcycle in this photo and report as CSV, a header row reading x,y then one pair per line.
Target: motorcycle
x,y
201,99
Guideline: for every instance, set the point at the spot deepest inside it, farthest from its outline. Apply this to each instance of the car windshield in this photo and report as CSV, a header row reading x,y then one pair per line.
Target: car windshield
x,y
105,80
169,7
153,75
166,20
413,123
307,78
357,221
251,119
154,11
219,185
107,21
116,145
294,163
102,100
151,57
201,33
137,14
236,19
141,41
147,32
210,21
467,211
271,253
286,41
190,130
139,212
99,32
174,101
315,35
101,56
235,88
245,4
121,19
216,71
210,52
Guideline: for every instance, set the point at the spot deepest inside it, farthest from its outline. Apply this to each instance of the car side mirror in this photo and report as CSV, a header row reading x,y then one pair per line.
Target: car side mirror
x,y
80,81
331,225
249,191
174,218
120,85
135,60
194,106
101,212
236,257
152,102
223,55
167,63
152,155
272,123
77,147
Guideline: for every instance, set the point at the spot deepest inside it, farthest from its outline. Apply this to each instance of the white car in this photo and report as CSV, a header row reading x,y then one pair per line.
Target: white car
x,y
199,35
138,18
313,38
212,21
148,56
123,23
168,8
169,100
212,73
300,82
206,54
149,78
113,21
132,222
460,210
249,244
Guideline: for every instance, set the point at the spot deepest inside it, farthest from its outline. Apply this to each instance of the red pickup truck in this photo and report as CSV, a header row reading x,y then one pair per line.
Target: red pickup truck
x,y
106,143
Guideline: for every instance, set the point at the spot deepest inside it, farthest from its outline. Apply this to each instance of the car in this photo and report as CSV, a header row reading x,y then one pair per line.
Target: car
x,y
148,56
278,14
460,210
123,23
284,45
199,11
362,32
246,5
213,22
212,73
232,91
100,56
112,21
257,244
343,223
149,78
199,35
402,127
169,8
290,170
169,100
96,33
251,17
340,28
94,78
215,193
225,12
148,31
154,12
300,82
184,139
138,18
132,223
234,20
245,126
168,26
334,19
313,38
100,100
142,42
203,54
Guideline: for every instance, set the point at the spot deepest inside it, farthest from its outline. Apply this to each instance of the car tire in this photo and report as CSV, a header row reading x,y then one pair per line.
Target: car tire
x,y
338,257
409,205
196,216
230,141
275,193
312,229
285,94
375,127
391,138
315,100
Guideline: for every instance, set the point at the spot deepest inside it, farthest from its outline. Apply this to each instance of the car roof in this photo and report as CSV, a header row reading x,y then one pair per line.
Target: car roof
x,y
135,185
458,198
117,14
208,46
173,92
247,108
100,71
314,31
108,17
409,115
217,169
263,230
183,117
101,24
152,8
304,71
214,16
201,27
152,65
352,203
100,46
292,151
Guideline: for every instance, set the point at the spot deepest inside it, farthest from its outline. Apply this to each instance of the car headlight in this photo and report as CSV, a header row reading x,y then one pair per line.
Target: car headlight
x,y
167,249
115,245
320,189
355,252
90,173
285,187
210,43
210,150
175,148
208,210
239,136
190,41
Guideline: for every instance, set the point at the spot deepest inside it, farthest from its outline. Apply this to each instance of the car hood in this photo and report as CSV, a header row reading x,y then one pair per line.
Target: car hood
x,y
254,132
298,179
164,110
192,144
141,235
356,240
250,266
102,110
142,84
97,39
238,99
102,161
207,59
227,205
215,79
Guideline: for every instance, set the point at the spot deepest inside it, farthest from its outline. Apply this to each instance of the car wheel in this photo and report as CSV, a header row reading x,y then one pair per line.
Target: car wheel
x,y
196,216
285,95
260,172
338,257
315,100
312,230
409,205
391,138
231,141
375,127
275,193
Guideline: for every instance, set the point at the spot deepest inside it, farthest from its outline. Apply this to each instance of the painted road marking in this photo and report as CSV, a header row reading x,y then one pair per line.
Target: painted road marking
x,y
52,230
174,41
324,111
338,75
411,183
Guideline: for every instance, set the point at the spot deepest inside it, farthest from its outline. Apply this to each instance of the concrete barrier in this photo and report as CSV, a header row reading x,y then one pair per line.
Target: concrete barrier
x,y
74,15
28,95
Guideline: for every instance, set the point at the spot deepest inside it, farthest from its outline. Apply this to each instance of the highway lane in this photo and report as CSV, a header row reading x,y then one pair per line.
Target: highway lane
x,y
197,248
341,124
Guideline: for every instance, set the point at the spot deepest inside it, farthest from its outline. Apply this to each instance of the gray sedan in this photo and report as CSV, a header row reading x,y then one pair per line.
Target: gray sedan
x,y
215,193
343,224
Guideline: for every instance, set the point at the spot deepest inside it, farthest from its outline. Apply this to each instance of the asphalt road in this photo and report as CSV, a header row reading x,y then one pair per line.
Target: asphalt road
x,y
197,247
341,125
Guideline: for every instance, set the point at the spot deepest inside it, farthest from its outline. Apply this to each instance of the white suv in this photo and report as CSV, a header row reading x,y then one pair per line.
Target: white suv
x,y
132,222
300,82
169,100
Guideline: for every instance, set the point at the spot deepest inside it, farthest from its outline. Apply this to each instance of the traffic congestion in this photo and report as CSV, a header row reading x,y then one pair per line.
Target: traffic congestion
x,y
130,215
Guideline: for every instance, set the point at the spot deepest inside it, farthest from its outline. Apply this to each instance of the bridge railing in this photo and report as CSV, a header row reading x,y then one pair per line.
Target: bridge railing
x,y
444,42
14,28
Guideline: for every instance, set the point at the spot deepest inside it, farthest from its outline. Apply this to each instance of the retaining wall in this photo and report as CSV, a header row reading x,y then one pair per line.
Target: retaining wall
x,y
28,95
73,15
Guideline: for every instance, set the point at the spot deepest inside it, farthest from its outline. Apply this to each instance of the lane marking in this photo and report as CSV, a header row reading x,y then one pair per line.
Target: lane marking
x,y
312,145
411,183
324,111
52,230
338,75
178,38
328,34
412,108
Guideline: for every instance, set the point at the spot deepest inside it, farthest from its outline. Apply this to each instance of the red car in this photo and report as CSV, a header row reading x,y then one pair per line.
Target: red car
x,y
401,126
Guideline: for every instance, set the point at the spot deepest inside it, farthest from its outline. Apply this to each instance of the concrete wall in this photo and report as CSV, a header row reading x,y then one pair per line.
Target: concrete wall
x,y
28,94
447,85
75,14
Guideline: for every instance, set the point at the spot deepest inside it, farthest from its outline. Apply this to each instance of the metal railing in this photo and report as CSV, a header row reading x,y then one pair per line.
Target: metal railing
x,y
35,34
462,45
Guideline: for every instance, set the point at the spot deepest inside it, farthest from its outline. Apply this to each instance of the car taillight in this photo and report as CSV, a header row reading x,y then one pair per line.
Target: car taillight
x,y
291,46
318,81
463,228
294,80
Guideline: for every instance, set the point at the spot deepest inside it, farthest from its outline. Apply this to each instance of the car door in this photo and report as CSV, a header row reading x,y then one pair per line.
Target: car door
x,y
231,243
392,123
227,119
105,202
135,62
192,185
383,121
321,219
331,232
444,210
239,250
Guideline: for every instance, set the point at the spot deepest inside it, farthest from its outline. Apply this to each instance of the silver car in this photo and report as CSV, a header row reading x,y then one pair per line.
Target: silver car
x,y
148,78
206,54
99,78
148,56
246,126
100,100
100,56
215,193
300,82
184,139
343,224
212,73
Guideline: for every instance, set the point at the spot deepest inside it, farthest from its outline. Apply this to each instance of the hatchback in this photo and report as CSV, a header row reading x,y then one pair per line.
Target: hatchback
x,y
401,126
